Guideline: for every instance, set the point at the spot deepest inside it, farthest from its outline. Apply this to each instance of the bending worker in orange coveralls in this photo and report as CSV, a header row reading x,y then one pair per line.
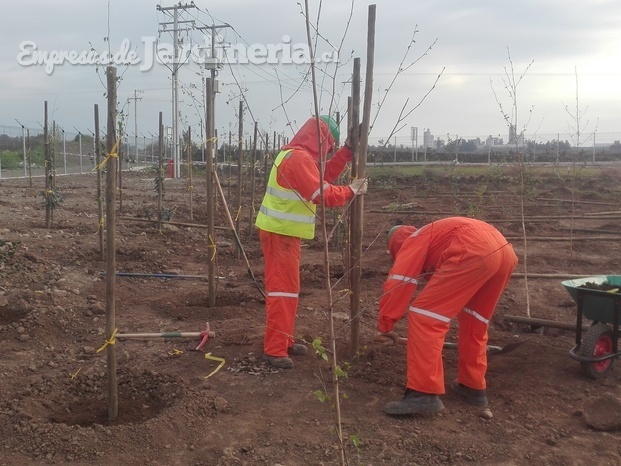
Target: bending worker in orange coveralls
x,y
464,265
287,215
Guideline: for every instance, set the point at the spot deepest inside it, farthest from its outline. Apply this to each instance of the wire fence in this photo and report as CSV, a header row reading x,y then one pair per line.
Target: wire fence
x,y
22,151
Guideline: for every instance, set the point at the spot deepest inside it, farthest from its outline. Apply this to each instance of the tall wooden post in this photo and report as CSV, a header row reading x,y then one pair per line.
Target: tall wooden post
x,y
48,167
160,172
228,191
354,213
119,161
361,161
211,198
100,200
265,155
29,157
190,165
113,400
252,179
240,157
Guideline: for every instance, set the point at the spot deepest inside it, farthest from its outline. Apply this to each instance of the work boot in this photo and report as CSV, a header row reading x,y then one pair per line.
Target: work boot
x,y
297,349
415,402
472,396
281,362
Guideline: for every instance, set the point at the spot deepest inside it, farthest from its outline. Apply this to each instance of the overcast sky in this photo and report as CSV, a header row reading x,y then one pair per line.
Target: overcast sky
x,y
567,53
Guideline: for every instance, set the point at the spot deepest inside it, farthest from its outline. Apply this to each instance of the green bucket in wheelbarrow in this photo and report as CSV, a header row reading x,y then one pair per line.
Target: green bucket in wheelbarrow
x,y
596,350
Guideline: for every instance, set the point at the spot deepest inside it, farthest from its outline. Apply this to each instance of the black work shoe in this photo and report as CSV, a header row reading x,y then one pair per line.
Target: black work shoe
x,y
472,396
297,349
414,402
279,362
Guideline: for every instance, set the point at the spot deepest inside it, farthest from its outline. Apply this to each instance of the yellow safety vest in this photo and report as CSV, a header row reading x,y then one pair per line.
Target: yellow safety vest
x,y
284,211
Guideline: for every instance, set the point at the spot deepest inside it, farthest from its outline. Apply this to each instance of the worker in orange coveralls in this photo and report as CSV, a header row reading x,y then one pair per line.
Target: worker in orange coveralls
x,y
286,216
462,265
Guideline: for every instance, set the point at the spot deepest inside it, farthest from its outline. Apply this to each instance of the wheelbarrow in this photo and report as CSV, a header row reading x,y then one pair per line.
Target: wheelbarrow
x,y
599,348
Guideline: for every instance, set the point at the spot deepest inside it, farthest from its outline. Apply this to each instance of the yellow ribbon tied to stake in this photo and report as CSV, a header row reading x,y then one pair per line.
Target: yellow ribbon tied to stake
x,y
113,153
111,341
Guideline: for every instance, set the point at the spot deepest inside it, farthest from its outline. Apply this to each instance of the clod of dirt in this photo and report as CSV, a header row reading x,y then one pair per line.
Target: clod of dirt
x,y
601,287
603,413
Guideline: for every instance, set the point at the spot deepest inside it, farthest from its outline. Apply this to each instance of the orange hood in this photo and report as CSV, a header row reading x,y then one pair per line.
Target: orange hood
x,y
396,238
306,139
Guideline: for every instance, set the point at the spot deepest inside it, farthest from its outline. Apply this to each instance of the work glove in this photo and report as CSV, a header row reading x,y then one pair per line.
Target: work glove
x,y
359,186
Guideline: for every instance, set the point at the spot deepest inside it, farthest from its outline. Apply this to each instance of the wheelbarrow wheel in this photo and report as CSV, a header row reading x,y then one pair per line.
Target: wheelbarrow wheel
x,y
596,343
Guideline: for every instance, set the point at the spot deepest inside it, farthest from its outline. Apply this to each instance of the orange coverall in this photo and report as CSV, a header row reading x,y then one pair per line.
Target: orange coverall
x,y
282,253
466,264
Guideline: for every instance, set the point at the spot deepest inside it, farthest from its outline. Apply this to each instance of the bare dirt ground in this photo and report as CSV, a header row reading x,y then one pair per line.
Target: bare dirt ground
x,y
53,403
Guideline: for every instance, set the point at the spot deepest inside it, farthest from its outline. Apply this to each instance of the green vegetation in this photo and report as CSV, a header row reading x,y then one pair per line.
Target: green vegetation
x,y
10,159
490,172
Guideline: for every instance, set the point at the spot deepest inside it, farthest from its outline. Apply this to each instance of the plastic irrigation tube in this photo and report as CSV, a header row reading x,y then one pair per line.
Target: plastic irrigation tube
x,y
158,275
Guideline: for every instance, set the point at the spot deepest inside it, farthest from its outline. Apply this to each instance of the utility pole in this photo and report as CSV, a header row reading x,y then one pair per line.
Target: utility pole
x,y
175,82
135,99
212,65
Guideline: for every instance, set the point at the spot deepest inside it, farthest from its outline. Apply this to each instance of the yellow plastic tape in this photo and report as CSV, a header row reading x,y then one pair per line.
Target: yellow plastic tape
x,y
175,352
113,153
212,245
217,359
111,341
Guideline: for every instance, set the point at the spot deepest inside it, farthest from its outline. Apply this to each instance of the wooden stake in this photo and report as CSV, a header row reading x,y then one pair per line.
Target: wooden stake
x,y
211,238
119,163
361,158
113,400
353,259
252,180
190,164
48,162
100,200
160,171
239,171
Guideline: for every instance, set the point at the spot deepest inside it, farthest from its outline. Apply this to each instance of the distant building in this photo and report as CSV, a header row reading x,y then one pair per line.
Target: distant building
x,y
514,137
427,139
494,141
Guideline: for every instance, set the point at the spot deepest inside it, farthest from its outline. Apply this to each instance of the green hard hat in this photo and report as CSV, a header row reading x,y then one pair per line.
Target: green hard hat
x,y
391,231
334,128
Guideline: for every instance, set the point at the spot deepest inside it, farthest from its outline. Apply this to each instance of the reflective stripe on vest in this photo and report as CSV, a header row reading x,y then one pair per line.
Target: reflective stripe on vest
x,y
285,211
286,216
